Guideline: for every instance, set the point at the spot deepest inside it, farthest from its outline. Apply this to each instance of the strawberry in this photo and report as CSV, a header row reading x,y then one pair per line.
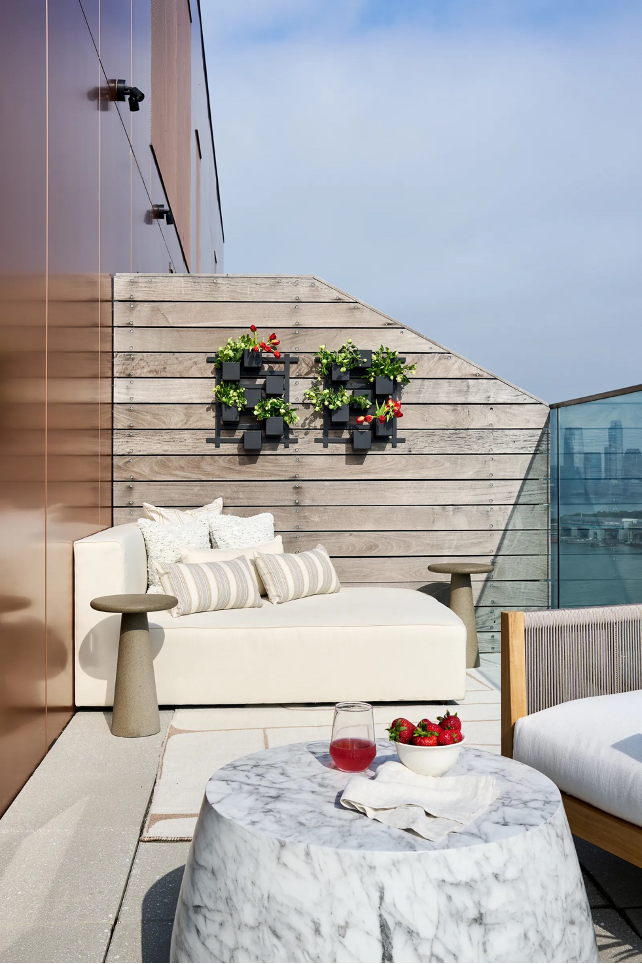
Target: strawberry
x,y
401,730
447,737
424,737
430,725
450,722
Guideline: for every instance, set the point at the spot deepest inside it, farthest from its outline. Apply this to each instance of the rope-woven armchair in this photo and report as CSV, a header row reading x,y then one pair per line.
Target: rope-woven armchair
x,y
554,656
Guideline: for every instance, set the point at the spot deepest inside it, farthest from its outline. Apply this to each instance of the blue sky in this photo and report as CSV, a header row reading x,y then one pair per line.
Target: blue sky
x,y
471,167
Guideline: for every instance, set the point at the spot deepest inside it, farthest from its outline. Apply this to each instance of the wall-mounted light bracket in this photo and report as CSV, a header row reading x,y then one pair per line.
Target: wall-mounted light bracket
x,y
159,211
133,95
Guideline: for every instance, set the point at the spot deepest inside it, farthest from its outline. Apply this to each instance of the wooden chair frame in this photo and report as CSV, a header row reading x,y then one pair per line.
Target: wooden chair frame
x,y
618,836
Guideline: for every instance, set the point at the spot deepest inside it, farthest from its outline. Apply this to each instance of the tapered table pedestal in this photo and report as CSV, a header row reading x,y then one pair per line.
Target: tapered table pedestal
x,y
461,599
135,700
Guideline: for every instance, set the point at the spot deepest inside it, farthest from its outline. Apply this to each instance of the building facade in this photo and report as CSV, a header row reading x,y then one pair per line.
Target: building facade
x,y
87,184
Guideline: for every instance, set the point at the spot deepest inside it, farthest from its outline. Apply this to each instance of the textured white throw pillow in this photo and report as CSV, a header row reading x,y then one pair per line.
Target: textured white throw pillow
x,y
298,574
181,517
164,543
241,532
210,586
224,555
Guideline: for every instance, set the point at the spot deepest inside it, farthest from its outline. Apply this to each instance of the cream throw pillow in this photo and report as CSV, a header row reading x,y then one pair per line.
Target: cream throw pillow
x,y
164,542
295,575
181,517
224,555
210,586
241,532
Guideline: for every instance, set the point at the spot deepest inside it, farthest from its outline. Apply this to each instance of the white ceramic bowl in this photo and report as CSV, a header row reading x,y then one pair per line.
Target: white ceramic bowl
x,y
429,761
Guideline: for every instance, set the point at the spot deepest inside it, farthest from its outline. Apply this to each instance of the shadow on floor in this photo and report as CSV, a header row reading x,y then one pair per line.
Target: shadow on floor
x,y
159,905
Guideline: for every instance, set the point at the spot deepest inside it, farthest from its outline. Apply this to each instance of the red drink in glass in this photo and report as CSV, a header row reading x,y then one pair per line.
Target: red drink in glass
x,y
352,746
353,754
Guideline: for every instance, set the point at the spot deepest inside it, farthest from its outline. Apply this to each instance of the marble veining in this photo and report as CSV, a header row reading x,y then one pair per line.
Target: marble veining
x,y
279,871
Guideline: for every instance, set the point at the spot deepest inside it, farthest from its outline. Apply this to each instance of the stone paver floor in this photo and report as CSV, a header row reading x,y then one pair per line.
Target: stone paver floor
x,y
76,883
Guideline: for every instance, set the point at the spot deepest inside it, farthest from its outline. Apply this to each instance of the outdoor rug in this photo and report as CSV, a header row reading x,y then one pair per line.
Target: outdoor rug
x,y
201,741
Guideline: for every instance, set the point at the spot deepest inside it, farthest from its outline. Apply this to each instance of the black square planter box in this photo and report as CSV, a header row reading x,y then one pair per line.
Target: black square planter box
x,y
230,371
340,415
229,413
252,441
274,384
252,360
362,393
383,386
366,358
252,398
337,375
361,440
274,426
383,429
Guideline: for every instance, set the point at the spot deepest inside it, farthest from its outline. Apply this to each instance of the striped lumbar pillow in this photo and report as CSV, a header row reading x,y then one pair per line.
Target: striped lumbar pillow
x,y
295,575
208,586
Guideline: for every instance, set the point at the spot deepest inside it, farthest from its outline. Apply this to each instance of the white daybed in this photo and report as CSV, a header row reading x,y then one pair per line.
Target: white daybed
x,y
366,643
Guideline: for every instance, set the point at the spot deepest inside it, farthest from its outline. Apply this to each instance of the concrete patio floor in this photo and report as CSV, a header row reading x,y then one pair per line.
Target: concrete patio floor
x,y
78,885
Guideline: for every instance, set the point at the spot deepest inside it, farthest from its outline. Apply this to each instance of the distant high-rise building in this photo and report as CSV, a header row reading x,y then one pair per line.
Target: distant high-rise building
x,y
613,453
573,451
632,465
592,465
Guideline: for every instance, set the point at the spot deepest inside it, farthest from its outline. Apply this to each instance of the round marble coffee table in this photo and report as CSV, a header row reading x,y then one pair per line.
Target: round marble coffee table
x,y
279,871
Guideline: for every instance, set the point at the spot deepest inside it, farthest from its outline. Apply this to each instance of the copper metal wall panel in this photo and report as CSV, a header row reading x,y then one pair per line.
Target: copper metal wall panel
x,y
171,108
22,392
75,211
73,358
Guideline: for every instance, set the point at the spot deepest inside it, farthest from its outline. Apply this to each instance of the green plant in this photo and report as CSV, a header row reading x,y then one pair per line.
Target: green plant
x,y
360,401
326,398
233,349
386,363
230,393
347,357
276,408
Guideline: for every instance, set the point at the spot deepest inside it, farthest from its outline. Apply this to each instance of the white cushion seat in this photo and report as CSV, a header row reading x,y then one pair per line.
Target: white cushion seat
x,y
590,748
367,643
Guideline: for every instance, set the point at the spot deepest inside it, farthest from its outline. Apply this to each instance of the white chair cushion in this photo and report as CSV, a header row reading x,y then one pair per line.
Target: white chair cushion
x,y
591,748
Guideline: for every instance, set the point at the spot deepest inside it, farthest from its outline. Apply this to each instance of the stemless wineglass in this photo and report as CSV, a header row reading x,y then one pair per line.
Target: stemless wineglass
x,y
353,746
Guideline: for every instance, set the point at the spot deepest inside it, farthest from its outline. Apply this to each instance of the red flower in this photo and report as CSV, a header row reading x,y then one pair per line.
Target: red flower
x,y
252,327
399,415
360,419
255,348
275,341
368,419
382,419
272,336
277,354
263,346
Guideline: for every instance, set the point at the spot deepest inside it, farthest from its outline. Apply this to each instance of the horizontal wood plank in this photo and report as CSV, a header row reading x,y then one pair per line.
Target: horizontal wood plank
x,y
474,544
457,391
194,287
166,468
192,416
195,365
456,492
306,340
416,518
144,441
267,316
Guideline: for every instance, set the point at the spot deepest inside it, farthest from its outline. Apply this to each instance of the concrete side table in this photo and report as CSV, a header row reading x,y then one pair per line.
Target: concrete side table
x,y
135,700
461,599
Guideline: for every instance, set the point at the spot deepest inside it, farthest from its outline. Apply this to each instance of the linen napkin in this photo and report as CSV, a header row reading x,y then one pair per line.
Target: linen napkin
x,y
429,806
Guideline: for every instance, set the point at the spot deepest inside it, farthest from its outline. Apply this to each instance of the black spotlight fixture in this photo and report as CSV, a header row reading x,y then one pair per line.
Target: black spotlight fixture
x,y
159,211
132,94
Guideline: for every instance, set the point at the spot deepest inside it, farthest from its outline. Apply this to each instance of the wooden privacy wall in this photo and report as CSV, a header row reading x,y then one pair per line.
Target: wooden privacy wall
x,y
470,482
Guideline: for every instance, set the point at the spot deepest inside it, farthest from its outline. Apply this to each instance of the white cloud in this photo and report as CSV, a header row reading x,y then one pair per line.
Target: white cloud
x,y
481,185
